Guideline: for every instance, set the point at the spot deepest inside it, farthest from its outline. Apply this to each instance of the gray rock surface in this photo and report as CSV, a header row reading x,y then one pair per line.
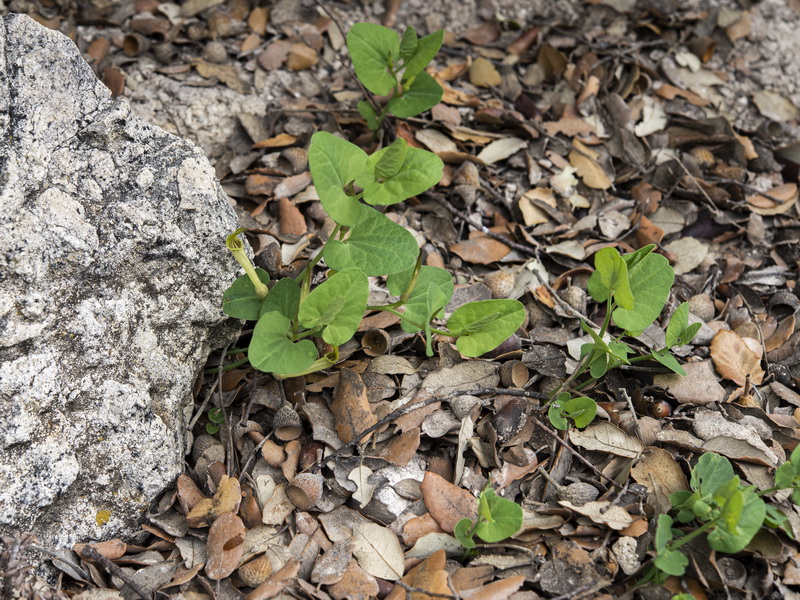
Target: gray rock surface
x,y
112,267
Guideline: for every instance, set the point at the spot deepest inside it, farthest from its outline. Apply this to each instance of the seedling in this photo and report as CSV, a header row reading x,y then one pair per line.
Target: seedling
x,y
364,243
498,518
634,288
390,66
727,512
217,417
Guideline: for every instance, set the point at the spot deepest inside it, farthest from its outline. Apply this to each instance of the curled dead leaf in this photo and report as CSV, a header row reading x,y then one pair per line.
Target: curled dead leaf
x,y
734,360
225,546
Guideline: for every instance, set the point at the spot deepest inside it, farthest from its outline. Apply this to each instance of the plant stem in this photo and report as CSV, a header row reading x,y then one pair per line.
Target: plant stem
x,y
229,367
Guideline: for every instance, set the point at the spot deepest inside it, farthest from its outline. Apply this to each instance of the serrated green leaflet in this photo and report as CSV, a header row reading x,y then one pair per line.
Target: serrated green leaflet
x,y
482,326
272,351
408,43
373,48
337,305
650,281
334,163
376,245
426,48
240,300
389,160
421,94
419,171
610,278
504,517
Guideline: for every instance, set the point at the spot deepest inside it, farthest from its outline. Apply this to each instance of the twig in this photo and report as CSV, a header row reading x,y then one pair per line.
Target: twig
x,y
417,590
112,569
575,453
412,406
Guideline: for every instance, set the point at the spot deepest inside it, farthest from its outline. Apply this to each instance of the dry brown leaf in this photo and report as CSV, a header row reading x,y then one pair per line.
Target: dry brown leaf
x,y
501,149
605,437
602,512
480,249
399,449
429,575
660,473
669,92
272,58
279,141
111,549
483,34
225,546
292,221
277,582
301,57
419,526
355,584
330,567
257,20
378,551
447,503
351,407
699,386
781,335
498,590
227,74
734,360
787,194
468,578
483,73
584,159
226,499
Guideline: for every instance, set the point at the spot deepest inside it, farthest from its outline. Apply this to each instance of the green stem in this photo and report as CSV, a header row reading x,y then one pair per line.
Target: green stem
x,y
226,368
235,245
387,308
677,543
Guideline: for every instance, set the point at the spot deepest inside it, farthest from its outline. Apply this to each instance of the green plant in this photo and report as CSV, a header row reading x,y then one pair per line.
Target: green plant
x,y
727,512
217,418
390,66
498,518
634,287
364,243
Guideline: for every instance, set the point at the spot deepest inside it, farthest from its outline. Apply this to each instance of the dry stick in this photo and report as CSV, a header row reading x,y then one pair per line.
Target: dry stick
x,y
417,590
575,453
412,406
89,552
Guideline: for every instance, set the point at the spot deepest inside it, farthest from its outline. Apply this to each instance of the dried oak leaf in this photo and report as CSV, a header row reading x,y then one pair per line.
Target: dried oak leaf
x,y
480,249
498,590
355,584
351,407
277,582
734,360
429,575
378,551
226,499
585,160
447,503
225,546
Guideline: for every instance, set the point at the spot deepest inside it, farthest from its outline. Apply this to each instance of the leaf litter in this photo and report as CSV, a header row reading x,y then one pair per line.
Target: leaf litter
x,y
559,141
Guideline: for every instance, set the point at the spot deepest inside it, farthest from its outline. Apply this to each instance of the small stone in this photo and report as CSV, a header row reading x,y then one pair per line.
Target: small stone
x,y
702,306
578,493
215,52
624,550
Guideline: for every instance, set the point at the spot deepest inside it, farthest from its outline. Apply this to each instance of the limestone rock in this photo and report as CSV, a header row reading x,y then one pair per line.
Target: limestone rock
x,y
112,268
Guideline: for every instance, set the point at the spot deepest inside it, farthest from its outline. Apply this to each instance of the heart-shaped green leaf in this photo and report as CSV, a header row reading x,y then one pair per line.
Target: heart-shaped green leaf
x,y
417,306
461,531
421,94
389,160
482,326
426,48
711,472
581,410
419,171
336,306
272,351
610,278
376,245
650,281
240,300
504,517
740,519
373,48
334,164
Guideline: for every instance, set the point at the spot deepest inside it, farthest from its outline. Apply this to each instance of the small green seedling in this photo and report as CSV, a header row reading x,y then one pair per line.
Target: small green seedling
x,y
391,66
728,513
498,519
635,288
217,417
364,243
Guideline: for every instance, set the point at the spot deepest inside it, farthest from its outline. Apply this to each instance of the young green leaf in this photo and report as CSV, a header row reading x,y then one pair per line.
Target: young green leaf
x,y
556,413
374,49
740,519
650,282
711,472
669,361
504,520
581,410
408,43
389,160
462,530
376,245
418,171
420,94
336,306
417,308
671,562
272,351
426,48
334,164
370,116
284,298
610,278
241,301
484,325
